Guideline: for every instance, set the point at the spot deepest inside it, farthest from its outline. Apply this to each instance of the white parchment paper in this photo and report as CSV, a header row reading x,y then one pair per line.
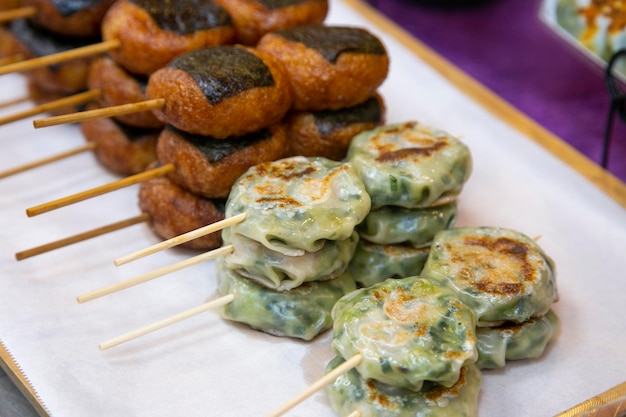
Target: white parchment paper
x,y
206,366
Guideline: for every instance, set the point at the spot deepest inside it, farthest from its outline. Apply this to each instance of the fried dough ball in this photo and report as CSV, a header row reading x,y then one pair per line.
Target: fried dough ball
x,y
122,149
119,87
152,33
174,211
255,18
221,91
40,96
31,42
330,67
328,133
209,167
80,19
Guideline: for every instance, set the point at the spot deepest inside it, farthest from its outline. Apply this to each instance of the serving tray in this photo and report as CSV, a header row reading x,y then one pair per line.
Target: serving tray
x,y
524,178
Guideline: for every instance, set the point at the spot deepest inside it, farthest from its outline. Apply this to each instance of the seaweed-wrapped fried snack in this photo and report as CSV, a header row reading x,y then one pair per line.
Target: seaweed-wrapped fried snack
x,y
515,341
410,165
502,274
350,392
294,205
407,331
302,312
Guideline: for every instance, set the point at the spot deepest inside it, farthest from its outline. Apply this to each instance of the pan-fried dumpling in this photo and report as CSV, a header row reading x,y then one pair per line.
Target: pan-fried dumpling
x,y
303,312
514,341
392,224
407,330
295,204
350,392
280,272
500,273
409,164
373,263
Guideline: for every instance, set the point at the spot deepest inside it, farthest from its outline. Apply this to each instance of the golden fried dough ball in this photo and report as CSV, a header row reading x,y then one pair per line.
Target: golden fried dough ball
x,y
174,211
255,18
328,133
330,67
152,33
209,167
221,91
122,149
78,19
31,42
118,87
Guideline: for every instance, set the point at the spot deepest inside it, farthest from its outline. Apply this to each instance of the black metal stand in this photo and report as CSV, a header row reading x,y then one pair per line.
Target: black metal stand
x,y
618,104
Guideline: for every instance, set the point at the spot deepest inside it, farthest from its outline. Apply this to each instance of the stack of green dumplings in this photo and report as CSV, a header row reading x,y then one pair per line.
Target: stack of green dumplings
x,y
509,282
417,345
413,174
291,253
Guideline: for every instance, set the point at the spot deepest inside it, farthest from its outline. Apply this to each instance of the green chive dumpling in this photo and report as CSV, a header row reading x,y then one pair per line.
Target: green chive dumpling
x,y
392,224
407,330
294,204
502,274
514,341
371,398
303,312
281,272
410,165
373,263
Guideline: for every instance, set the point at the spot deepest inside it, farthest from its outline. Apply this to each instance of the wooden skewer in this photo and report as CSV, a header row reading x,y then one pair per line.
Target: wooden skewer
x,y
18,13
224,250
318,385
14,101
25,167
57,58
163,323
180,239
115,185
144,217
100,113
52,105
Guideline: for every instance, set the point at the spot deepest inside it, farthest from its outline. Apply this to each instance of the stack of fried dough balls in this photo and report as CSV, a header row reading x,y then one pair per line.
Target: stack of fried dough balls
x,y
290,255
56,27
414,174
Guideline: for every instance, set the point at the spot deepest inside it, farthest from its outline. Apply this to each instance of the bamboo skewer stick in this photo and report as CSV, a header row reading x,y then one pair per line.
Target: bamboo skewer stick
x,y
115,185
14,101
100,113
60,57
163,323
144,217
52,105
224,250
180,239
18,13
317,385
40,162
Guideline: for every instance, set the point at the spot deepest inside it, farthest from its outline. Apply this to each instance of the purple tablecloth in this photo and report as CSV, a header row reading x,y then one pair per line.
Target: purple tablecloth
x,y
504,45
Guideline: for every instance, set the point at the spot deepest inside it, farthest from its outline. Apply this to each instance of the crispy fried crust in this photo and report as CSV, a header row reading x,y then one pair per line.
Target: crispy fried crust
x,y
146,47
253,19
119,87
329,133
120,149
174,211
83,23
188,108
30,42
195,172
320,84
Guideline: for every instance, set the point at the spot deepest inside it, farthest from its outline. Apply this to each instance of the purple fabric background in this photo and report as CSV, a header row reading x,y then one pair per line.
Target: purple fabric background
x,y
504,45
